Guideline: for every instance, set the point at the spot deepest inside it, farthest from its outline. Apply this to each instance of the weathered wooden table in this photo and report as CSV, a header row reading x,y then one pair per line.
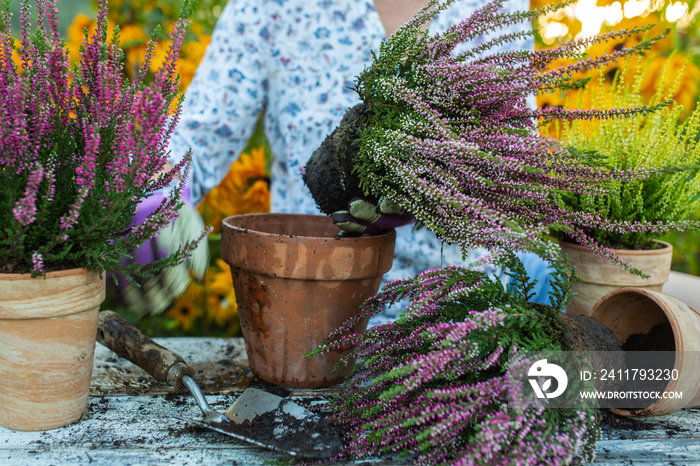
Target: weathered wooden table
x,y
129,420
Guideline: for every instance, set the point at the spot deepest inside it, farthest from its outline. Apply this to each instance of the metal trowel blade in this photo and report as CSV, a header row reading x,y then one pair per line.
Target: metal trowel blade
x,y
277,423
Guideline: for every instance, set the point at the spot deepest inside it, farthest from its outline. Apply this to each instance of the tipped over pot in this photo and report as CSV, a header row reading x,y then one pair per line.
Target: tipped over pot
x,y
296,282
631,312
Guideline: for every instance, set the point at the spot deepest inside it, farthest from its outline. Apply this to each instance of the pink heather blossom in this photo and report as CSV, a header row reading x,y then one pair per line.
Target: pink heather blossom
x,y
434,385
79,149
25,209
37,262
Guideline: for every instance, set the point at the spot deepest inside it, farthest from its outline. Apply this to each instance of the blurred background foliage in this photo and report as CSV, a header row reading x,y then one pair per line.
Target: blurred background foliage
x,y
209,308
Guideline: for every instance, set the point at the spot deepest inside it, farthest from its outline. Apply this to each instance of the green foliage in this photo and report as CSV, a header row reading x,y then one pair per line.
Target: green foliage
x,y
660,142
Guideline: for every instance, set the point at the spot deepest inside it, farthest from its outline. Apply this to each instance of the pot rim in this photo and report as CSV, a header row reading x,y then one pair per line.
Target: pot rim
x,y
278,254
227,223
26,298
51,274
627,252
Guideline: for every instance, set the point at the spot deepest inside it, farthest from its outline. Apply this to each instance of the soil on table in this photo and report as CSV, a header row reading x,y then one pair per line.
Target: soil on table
x,y
329,172
308,437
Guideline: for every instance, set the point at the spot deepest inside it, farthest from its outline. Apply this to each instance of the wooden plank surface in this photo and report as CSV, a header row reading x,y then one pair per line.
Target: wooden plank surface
x,y
130,420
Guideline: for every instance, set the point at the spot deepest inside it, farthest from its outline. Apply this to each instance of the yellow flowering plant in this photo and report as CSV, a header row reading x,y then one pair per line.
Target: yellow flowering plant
x,y
138,17
655,141
210,307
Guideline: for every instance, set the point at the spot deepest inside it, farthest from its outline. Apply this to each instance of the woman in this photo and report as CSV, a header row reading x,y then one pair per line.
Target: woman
x,y
296,60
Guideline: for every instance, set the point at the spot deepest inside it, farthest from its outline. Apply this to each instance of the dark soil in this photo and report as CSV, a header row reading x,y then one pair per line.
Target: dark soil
x,y
309,437
618,427
659,338
329,172
582,333
17,266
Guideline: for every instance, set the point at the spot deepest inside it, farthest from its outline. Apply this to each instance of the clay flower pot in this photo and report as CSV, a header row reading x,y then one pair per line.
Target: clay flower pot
x,y
599,276
47,343
630,311
295,283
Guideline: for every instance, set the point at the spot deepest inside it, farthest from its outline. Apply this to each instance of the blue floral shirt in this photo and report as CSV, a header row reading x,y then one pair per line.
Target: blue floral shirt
x,y
297,61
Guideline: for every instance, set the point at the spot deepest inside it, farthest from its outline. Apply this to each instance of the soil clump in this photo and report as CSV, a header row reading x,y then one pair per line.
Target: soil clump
x,y
305,437
583,333
329,172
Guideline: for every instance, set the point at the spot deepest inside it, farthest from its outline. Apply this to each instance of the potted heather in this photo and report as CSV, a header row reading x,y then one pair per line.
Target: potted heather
x,y
665,201
79,149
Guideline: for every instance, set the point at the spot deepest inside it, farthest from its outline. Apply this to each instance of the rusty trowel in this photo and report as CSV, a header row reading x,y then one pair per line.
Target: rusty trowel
x,y
257,417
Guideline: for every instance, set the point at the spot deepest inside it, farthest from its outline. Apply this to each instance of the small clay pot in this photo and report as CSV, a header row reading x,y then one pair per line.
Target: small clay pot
x,y
600,276
629,311
295,283
48,327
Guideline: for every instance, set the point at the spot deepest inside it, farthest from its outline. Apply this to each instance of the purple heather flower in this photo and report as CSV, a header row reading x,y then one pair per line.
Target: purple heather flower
x,y
25,209
37,262
454,142
87,143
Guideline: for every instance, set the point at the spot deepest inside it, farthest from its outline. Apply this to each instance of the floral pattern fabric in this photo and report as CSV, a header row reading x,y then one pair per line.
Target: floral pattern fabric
x,y
297,61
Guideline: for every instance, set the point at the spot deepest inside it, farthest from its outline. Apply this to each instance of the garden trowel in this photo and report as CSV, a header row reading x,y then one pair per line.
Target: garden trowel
x,y
257,417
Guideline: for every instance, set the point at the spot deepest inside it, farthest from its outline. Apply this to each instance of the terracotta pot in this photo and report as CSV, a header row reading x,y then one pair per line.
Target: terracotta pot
x,y
629,311
295,283
47,342
599,276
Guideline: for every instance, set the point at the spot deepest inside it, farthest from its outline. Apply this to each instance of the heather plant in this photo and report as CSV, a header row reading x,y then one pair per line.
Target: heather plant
x,y
81,147
434,383
447,133
650,141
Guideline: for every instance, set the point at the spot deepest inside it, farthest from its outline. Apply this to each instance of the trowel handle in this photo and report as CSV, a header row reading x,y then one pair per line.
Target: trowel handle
x,y
131,343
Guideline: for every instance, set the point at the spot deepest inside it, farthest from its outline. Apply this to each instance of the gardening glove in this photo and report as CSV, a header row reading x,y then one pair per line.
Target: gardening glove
x,y
157,293
365,216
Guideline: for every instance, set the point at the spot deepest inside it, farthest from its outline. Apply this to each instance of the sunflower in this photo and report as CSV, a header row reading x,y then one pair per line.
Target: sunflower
x,y
76,34
676,73
188,308
221,306
245,189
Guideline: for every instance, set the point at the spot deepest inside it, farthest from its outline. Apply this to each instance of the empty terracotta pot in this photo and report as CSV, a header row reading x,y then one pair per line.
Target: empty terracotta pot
x,y
629,311
295,283
599,276
47,343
